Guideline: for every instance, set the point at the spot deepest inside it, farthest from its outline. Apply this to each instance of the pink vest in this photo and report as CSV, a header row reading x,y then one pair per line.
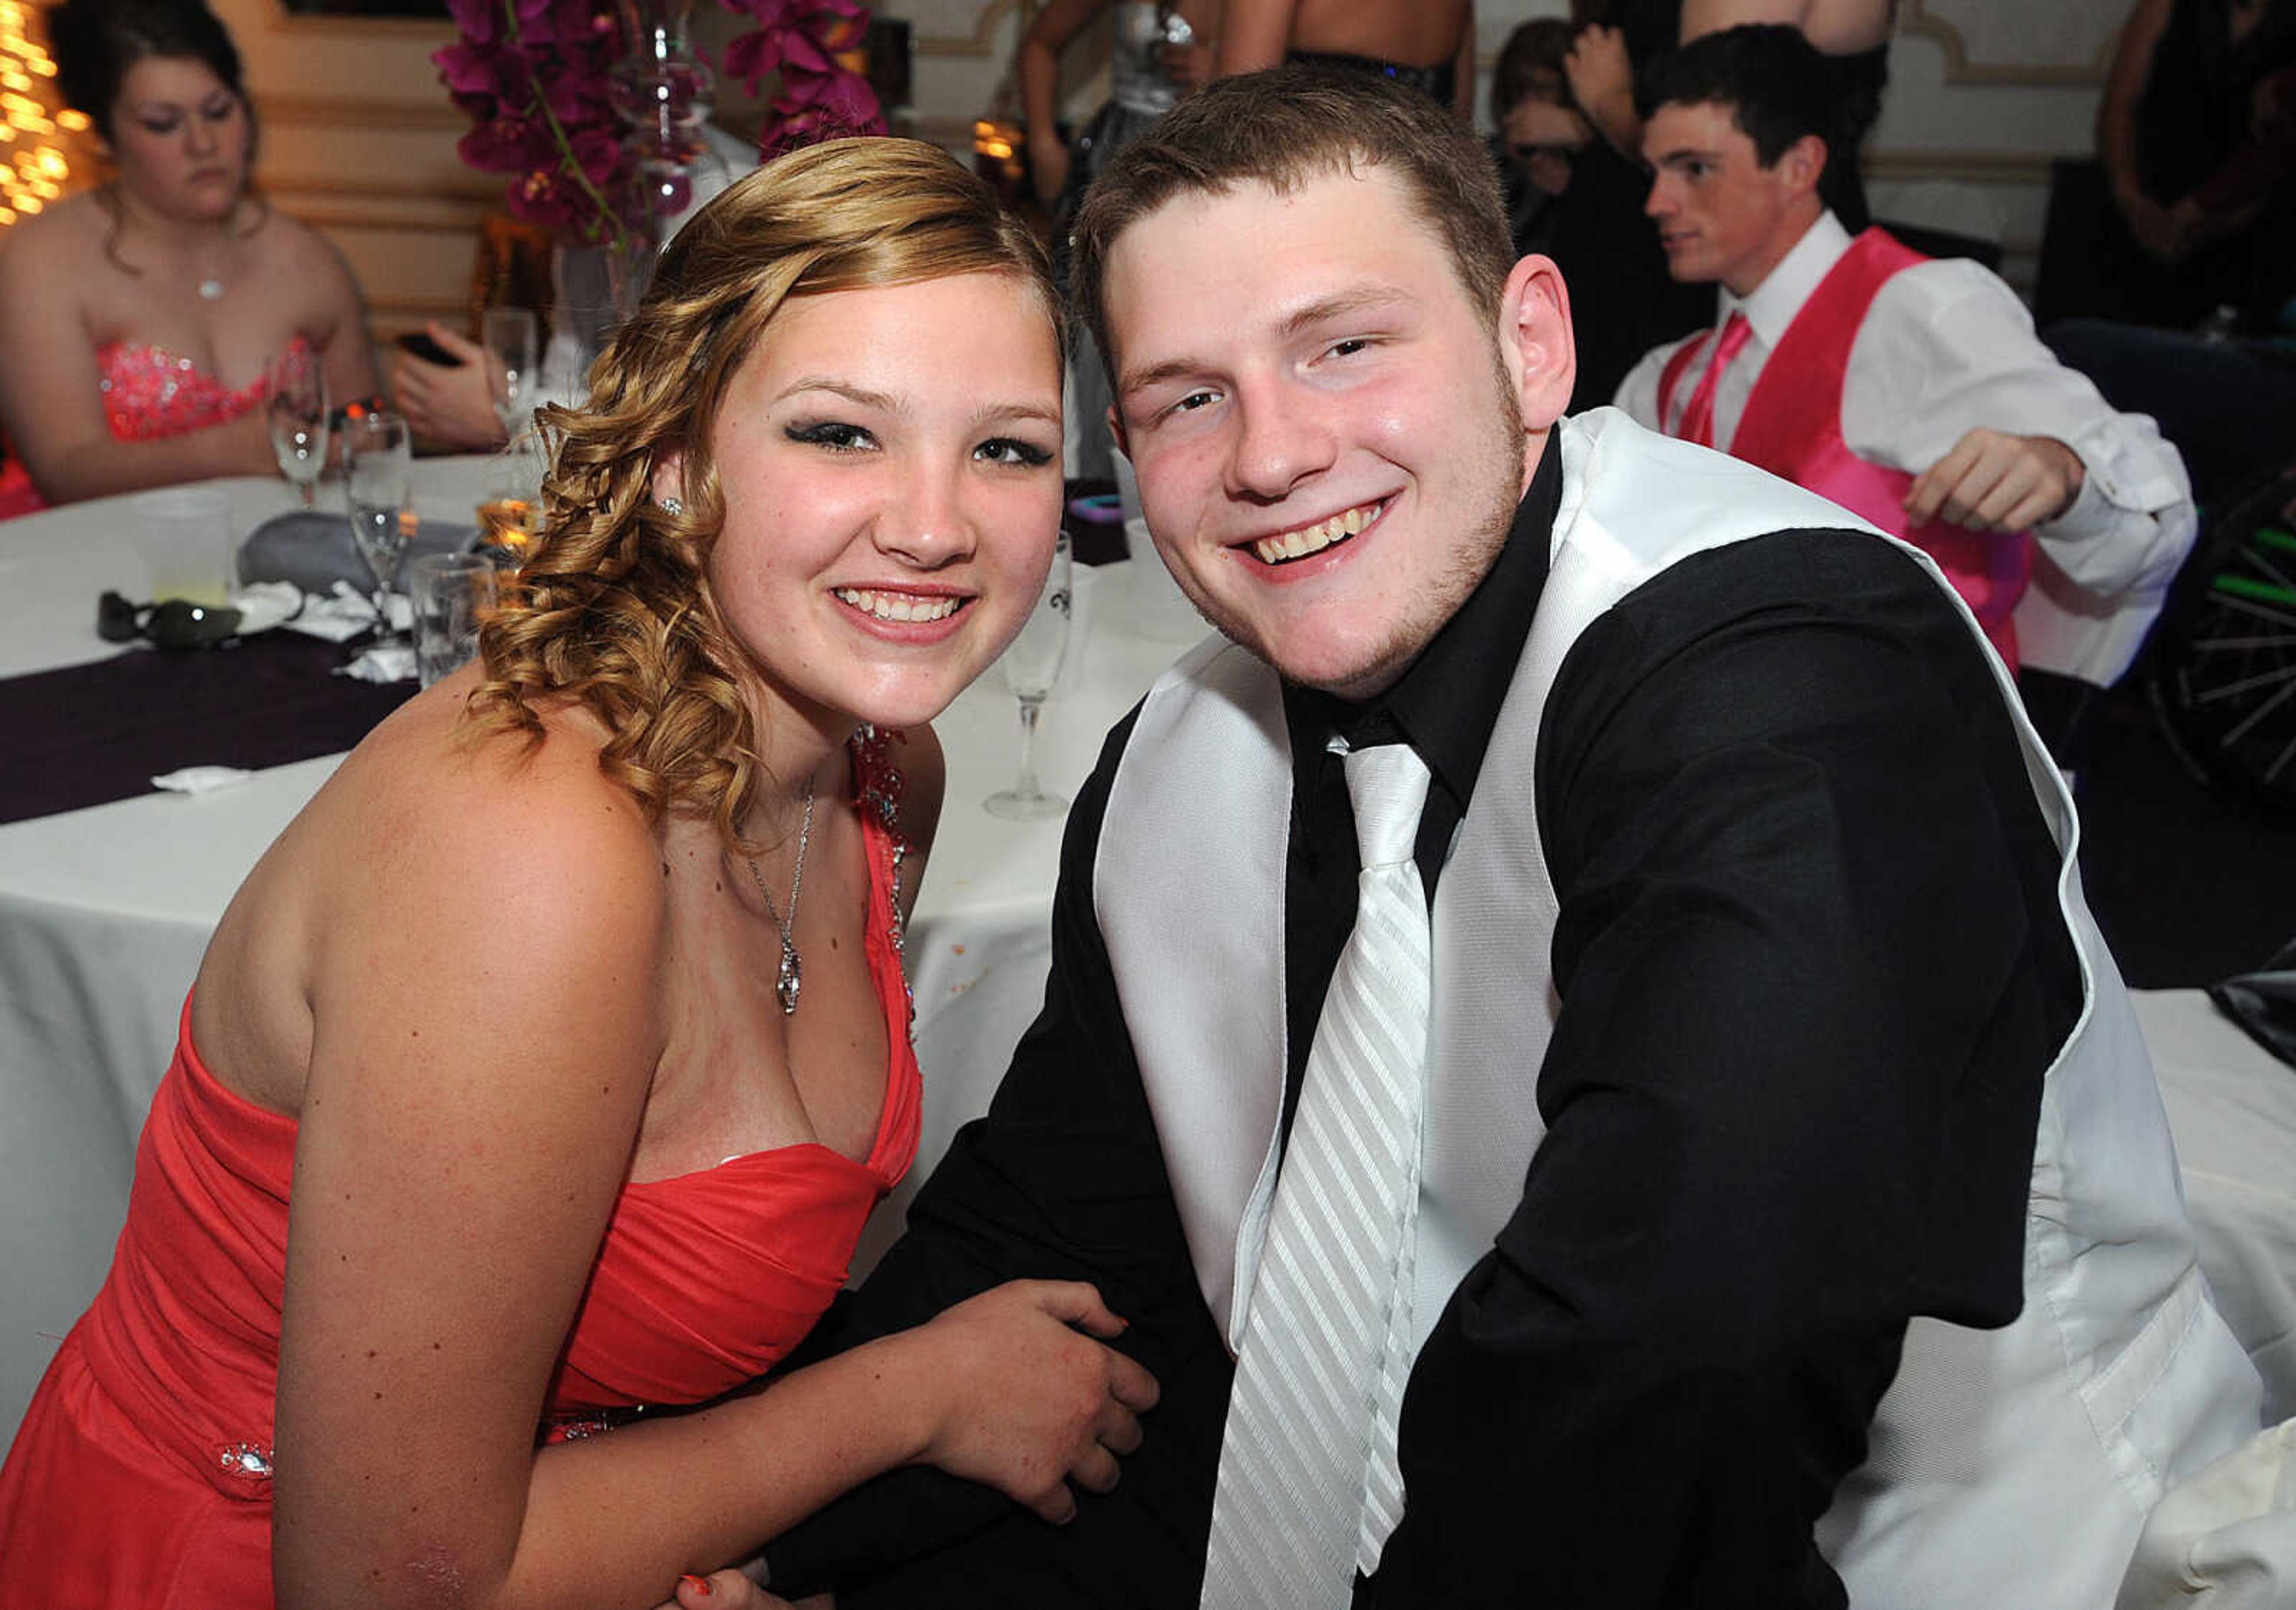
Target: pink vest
x,y
1792,427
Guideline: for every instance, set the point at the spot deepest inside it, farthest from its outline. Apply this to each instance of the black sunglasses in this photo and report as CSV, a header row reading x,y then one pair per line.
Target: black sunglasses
x,y
174,622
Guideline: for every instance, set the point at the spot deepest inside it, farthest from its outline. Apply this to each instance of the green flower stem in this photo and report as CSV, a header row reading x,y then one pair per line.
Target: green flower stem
x,y
567,158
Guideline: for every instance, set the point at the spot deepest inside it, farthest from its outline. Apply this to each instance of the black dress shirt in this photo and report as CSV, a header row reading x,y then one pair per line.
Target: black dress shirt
x,y
1811,971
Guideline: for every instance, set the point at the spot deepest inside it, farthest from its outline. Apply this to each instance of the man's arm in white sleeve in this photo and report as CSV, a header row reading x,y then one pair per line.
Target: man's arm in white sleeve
x,y
1948,348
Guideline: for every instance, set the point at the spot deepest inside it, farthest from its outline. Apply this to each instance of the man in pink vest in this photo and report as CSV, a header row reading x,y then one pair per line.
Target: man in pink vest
x,y
1911,391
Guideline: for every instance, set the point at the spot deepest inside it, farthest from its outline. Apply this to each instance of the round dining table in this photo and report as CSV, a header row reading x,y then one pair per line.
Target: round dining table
x,y
106,909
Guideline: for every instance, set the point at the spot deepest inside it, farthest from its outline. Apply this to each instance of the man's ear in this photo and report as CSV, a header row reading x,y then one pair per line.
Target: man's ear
x,y
1534,341
1802,164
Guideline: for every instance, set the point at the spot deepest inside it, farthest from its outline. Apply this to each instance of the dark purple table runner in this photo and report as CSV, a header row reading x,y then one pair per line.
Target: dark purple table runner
x,y
88,734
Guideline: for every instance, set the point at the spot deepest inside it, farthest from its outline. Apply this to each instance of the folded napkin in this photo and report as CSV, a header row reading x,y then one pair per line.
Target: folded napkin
x,y
392,662
342,614
202,780
263,605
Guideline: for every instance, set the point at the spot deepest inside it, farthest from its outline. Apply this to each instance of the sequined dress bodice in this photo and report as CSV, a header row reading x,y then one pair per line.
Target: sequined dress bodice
x,y
144,1467
149,393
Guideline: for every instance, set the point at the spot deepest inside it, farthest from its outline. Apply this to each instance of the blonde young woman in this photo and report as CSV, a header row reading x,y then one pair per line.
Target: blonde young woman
x,y
139,317
538,1081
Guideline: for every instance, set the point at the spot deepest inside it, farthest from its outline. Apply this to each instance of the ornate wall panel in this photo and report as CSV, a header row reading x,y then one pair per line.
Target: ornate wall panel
x,y
2008,42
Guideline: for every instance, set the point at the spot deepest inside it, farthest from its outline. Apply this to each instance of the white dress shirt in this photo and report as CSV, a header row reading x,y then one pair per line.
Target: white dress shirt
x,y
1946,347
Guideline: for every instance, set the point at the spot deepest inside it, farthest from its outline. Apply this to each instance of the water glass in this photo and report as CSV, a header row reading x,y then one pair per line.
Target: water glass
x,y
452,594
378,470
188,544
295,401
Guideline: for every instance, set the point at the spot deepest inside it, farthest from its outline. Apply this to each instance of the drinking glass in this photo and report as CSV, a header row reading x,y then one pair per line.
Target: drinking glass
x,y
295,399
452,594
1032,665
512,336
379,458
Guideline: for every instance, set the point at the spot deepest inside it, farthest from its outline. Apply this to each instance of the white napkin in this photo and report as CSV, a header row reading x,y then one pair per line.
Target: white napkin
x,y
340,616
263,605
202,780
393,662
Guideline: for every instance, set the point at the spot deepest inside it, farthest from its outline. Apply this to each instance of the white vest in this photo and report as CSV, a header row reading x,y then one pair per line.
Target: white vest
x,y
2010,1467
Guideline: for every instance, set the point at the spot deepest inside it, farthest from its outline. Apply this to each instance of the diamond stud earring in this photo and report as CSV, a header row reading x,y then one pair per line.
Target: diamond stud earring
x,y
672,506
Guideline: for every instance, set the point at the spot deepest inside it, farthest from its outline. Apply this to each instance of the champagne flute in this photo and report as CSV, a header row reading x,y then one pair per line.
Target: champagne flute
x,y
1032,665
378,455
510,335
295,399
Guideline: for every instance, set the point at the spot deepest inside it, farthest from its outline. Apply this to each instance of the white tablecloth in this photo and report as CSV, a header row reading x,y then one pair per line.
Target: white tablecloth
x,y
104,911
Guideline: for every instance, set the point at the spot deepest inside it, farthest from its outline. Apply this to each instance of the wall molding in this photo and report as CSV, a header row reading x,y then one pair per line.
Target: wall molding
x,y
1961,68
1944,162
346,111
298,25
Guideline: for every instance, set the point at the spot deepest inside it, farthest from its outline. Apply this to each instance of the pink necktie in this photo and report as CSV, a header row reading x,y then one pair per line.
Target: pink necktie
x,y
1698,418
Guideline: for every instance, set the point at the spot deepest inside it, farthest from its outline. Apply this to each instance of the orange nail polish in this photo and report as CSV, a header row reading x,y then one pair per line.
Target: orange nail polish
x,y
699,1584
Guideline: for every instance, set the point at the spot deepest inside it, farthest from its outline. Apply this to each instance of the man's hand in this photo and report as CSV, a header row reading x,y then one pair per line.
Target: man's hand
x,y
1993,481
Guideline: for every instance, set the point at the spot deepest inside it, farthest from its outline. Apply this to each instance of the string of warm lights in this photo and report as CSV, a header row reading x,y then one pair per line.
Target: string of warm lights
x,y
33,165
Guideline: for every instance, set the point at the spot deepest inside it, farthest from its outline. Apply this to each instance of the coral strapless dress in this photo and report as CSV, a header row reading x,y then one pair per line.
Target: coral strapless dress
x,y
148,393
142,1475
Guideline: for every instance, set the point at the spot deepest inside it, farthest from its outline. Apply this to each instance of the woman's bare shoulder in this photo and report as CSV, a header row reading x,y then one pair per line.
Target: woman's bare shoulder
x,y
436,807
487,847
56,247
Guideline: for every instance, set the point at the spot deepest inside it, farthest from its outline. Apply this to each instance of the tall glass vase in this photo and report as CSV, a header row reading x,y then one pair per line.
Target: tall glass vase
x,y
664,93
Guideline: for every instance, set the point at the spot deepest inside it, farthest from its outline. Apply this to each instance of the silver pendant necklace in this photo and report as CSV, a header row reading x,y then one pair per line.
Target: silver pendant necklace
x,y
211,290
791,976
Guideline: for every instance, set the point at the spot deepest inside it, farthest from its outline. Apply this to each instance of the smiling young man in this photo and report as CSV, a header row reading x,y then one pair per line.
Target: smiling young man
x,y
1912,392
1644,1219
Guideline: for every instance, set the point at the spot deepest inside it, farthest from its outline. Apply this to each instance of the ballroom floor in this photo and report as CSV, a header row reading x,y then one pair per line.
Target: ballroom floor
x,y
2188,884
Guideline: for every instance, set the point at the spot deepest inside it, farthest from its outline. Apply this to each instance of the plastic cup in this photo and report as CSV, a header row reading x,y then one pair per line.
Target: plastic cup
x,y
188,542
452,594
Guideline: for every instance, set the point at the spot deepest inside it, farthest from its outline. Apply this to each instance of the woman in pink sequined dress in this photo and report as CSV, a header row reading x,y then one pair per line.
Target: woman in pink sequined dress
x,y
138,318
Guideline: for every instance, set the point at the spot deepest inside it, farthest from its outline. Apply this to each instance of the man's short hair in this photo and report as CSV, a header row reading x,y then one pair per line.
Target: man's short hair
x,y
1531,67
1772,80
1281,128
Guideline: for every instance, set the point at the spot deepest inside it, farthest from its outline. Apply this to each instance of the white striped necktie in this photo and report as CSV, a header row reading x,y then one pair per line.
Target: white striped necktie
x,y
1308,1489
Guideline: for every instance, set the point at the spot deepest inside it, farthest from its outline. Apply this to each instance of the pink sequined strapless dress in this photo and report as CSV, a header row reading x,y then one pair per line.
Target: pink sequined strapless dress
x,y
148,393
141,1479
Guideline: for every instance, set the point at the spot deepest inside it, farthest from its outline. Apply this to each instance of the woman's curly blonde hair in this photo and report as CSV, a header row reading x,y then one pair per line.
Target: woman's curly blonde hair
x,y
613,609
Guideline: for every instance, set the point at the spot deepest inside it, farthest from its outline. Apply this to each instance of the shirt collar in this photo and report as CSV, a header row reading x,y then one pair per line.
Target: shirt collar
x,y
1447,701
1771,306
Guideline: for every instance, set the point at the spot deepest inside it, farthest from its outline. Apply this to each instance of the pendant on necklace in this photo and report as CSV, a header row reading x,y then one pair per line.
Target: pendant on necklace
x,y
211,290
786,984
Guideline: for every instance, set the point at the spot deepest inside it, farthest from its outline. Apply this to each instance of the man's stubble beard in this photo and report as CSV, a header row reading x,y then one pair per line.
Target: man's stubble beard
x,y
1471,561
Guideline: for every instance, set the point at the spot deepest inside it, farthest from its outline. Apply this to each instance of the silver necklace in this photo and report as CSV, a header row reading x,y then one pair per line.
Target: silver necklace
x,y
791,976
211,290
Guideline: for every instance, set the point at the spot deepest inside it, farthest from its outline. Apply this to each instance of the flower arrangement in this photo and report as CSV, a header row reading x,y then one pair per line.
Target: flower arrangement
x,y
536,78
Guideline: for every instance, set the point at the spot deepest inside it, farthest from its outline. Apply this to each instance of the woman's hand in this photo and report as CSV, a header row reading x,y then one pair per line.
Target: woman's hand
x,y
729,1590
451,404
1191,66
1048,164
1602,82
1028,1401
